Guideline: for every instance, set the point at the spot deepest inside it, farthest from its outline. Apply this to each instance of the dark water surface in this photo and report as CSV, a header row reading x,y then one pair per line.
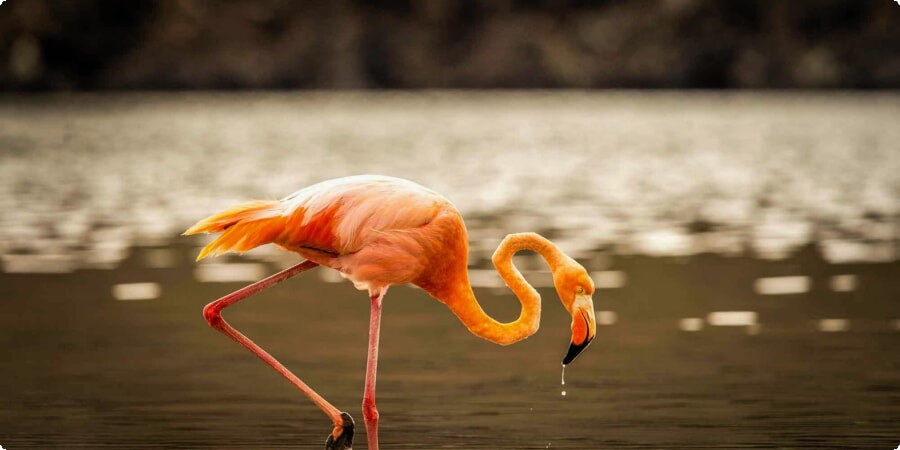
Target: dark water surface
x,y
745,249
86,371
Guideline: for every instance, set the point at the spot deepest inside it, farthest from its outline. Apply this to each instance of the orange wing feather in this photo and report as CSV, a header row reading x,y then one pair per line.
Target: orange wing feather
x,y
243,227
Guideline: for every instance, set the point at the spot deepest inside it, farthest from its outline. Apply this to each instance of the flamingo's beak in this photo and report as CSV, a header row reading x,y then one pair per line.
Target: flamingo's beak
x,y
584,327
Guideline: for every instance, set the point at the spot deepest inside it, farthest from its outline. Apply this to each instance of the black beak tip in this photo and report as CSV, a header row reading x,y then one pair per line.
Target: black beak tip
x,y
574,351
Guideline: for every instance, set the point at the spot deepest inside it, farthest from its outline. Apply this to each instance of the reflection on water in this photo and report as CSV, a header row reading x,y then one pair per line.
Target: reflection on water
x,y
661,174
744,250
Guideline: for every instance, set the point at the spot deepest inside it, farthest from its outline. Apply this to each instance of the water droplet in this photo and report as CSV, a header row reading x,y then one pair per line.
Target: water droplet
x,y
563,378
563,393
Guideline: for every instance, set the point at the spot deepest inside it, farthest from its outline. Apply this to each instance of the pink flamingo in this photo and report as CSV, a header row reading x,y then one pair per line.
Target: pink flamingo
x,y
380,231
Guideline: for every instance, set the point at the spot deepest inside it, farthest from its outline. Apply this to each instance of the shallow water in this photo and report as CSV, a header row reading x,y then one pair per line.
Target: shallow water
x,y
745,249
87,371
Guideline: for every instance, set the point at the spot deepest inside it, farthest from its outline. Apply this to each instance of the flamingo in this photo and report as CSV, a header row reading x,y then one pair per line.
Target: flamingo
x,y
380,231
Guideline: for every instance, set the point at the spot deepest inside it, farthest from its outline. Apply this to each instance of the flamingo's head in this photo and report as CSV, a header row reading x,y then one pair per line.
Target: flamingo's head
x,y
575,289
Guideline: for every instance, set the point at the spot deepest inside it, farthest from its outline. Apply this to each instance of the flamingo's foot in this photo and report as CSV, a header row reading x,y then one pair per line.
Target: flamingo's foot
x,y
344,435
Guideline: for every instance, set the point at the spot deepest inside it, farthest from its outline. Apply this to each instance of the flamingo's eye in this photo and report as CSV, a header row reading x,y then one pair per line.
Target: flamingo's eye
x,y
579,290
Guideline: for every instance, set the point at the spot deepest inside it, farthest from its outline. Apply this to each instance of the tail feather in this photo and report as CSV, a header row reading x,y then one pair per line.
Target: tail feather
x,y
243,227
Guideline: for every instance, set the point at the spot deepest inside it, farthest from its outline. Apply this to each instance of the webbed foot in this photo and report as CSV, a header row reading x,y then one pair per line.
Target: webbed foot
x,y
344,440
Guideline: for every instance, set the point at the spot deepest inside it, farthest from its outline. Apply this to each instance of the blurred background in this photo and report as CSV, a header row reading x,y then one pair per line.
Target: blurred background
x,y
277,44
727,171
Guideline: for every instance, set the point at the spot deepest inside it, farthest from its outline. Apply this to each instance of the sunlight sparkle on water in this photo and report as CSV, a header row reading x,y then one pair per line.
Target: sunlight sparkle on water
x,y
227,273
136,291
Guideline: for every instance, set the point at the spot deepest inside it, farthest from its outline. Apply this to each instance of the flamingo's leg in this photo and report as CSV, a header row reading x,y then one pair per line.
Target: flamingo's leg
x,y
370,413
343,423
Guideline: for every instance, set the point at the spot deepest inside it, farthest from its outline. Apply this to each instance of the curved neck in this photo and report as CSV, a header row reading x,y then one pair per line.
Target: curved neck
x,y
461,299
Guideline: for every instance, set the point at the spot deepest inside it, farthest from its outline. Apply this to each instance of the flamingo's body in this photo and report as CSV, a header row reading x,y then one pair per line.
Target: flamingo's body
x,y
380,231
376,231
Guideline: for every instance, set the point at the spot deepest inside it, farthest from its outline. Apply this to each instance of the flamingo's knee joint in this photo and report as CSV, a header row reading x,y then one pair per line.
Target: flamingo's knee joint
x,y
370,413
213,315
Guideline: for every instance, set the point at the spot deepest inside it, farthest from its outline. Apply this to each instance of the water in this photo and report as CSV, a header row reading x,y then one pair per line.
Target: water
x,y
745,247
82,177
87,371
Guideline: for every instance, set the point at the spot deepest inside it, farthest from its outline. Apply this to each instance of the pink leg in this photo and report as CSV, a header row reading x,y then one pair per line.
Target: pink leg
x,y
370,413
213,315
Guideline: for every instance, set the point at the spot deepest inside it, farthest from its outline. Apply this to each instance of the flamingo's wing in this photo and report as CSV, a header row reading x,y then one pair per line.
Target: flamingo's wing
x,y
341,216
338,216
